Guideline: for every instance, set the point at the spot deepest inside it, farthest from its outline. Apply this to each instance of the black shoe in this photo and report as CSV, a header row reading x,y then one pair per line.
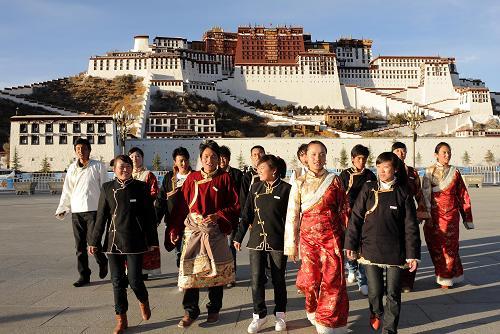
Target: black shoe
x,y
145,277
81,282
103,271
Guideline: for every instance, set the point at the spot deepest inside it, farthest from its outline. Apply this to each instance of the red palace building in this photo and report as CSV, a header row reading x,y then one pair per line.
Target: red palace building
x,y
260,45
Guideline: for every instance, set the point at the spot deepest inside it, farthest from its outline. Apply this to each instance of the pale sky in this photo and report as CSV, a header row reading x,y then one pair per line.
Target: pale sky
x,y
47,39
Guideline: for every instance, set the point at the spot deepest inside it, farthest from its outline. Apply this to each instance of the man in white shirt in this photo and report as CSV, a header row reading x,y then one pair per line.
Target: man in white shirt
x,y
80,196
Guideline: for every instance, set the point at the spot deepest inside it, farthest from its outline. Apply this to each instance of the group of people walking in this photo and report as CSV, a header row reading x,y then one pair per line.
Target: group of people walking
x,y
359,222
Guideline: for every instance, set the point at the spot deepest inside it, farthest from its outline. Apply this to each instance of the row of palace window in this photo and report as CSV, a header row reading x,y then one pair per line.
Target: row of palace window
x,y
63,140
63,127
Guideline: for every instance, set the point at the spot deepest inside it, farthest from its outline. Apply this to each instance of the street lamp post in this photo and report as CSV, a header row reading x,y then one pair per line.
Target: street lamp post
x,y
413,116
123,121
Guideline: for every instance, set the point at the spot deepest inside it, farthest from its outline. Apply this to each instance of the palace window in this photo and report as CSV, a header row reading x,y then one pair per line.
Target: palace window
x,y
49,140
63,127
90,139
35,140
23,128
76,127
35,128
23,140
63,140
90,128
101,140
49,128
101,128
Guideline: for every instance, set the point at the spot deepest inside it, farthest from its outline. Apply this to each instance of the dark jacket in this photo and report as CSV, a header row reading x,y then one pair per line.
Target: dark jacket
x,y
265,209
237,176
125,211
383,225
249,178
353,181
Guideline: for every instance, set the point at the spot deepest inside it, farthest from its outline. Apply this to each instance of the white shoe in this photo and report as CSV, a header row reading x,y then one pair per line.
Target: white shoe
x,y
364,290
312,318
280,322
351,278
256,324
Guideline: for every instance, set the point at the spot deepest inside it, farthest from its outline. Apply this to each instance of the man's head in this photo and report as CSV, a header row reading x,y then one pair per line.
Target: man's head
x,y
399,149
82,149
302,154
359,155
256,153
181,160
225,156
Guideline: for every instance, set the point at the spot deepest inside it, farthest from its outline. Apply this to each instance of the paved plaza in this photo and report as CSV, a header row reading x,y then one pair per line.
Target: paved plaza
x,y
38,267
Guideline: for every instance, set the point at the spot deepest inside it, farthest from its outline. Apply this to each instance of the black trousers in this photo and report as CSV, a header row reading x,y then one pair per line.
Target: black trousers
x,y
192,298
231,247
120,279
83,225
258,261
392,288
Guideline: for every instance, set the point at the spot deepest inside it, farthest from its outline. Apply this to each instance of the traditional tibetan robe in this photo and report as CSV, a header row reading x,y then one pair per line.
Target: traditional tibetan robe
x,y
317,215
206,259
353,181
447,198
151,263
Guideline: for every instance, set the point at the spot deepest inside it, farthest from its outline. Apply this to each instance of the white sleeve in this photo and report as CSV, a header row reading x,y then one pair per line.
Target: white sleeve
x,y
292,224
67,191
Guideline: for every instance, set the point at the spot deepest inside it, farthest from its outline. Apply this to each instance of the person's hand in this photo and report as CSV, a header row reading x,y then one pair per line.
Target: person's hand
x,y
174,238
413,265
210,219
237,245
60,215
351,255
92,250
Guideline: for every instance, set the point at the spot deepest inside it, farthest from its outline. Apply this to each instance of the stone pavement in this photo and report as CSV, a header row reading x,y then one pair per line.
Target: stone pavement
x,y
37,269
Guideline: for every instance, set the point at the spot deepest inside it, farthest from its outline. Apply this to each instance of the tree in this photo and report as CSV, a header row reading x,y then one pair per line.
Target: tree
x,y
45,165
16,164
156,162
241,161
418,159
6,148
344,159
466,159
489,157
369,159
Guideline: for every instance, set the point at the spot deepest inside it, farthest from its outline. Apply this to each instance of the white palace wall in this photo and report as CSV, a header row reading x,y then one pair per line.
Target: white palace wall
x,y
286,148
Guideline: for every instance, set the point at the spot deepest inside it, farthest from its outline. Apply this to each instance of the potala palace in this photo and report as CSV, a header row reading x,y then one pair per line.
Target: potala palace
x,y
284,66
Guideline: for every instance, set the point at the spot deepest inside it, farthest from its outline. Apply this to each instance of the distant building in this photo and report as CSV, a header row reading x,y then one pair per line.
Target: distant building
x,y
38,136
333,118
182,125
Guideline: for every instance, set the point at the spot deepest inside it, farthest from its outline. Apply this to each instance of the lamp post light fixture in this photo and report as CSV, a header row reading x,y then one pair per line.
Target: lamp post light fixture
x,y
413,117
123,121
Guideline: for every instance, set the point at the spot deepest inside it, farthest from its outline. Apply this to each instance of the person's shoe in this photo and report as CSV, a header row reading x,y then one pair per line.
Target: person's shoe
x,y
406,289
374,322
103,270
121,323
280,322
213,318
145,277
256,324
145,310
186,321
351,278
180,289
311,317
231,285
364,290
81,282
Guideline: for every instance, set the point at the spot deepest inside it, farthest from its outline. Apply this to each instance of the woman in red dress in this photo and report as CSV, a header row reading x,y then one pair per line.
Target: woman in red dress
x,y
151,263
317,215
447,198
